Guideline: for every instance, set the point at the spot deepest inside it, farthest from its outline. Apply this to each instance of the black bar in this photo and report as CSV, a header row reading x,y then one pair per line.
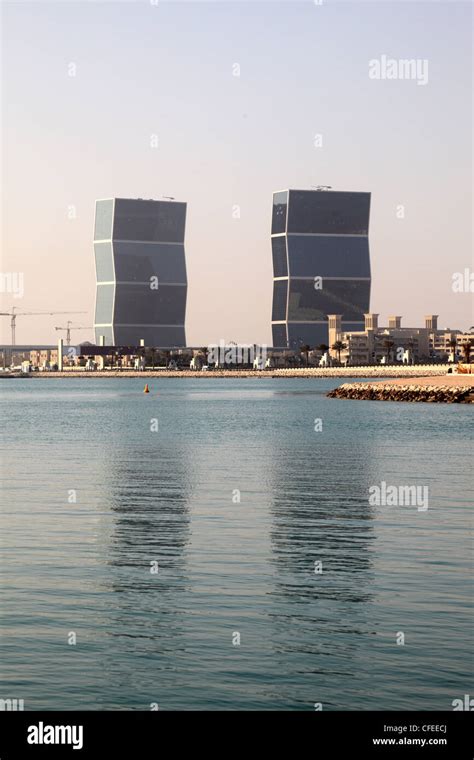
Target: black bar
x,y
307,734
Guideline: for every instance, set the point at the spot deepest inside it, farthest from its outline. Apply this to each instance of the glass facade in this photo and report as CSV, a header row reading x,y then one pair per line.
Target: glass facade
x,y
279,338
104,304
107,333
280,292
153,336
145,264
280,206
139,304
346,297
323,213
138,262
153,221
325,236
280,265
332,256
104,211
104,265
307,334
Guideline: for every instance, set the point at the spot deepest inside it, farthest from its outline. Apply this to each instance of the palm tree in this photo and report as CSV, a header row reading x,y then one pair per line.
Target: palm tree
x,y
338,346
323,348
305,349
453,344
466,349
388,344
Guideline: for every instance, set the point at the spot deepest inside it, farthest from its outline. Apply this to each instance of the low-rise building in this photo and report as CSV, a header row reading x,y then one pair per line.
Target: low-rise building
x,y
378,345
45,357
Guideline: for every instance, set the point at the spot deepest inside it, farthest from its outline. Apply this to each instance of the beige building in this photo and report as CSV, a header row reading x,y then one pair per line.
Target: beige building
x,y
44,357
441,340
463,338
375,345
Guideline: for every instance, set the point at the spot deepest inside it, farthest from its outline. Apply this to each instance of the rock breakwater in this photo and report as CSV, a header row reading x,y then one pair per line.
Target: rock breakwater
x,y
448,394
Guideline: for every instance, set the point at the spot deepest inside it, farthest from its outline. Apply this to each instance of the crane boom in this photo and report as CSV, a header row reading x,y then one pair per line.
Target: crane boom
x,y
68,329
13,314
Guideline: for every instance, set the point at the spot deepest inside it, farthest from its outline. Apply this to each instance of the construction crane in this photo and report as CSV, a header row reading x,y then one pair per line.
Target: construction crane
x,y
13,314
68,329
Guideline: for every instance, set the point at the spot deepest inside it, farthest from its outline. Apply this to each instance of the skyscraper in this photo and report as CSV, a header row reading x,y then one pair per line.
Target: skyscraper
x,y
140,272
321,263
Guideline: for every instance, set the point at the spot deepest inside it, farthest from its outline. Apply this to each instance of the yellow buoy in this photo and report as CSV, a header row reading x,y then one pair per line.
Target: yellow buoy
x,y
146,389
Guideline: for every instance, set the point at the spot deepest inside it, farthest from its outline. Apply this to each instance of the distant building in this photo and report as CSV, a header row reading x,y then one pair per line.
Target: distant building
x,y
375,345
396,344
441,341
462,339
321,264
140,272
45,357
20,353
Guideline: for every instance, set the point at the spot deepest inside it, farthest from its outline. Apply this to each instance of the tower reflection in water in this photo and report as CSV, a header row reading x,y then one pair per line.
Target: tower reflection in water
x,y
147,489
322,537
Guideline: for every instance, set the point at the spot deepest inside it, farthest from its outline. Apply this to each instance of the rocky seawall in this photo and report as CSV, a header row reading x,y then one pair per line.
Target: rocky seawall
x,y
436,393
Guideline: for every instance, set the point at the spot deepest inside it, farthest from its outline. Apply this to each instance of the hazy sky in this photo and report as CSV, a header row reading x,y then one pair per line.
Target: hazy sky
x,y
86,86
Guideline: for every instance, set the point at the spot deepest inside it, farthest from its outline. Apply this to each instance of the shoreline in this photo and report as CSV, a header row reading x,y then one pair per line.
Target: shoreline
x,y
303,372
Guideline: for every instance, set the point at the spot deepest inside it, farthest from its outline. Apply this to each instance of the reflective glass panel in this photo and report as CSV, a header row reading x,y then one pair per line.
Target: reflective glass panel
x,y
309,335
279,335
280,268
138,262
164,337
104,267
328,212
280,289
104,304
321,256
280,203
347,297
103,220
158,221
107,332
138,304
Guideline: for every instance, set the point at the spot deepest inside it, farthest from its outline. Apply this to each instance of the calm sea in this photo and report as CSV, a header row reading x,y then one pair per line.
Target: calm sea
x,y
211,545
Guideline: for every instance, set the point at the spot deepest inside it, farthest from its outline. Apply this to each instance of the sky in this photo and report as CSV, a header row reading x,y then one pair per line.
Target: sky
x,y
233,95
